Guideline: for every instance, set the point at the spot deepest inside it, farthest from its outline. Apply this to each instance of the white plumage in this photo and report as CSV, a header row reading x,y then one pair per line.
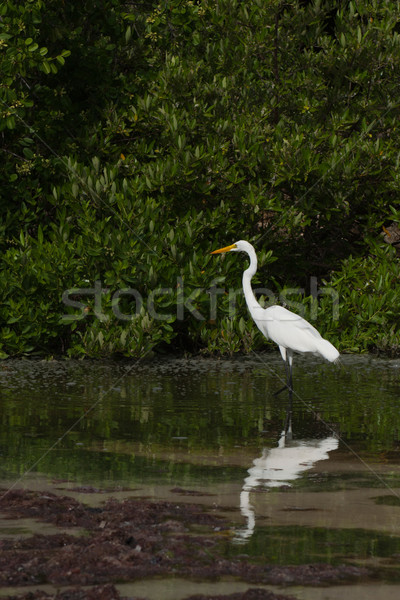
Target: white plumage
x,y
292,332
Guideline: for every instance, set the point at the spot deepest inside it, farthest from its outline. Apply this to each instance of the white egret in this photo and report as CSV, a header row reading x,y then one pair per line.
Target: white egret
x,y
291,332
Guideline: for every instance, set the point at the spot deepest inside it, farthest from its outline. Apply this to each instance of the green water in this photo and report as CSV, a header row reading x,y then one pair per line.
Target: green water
x,y
169,422
299,545
193,405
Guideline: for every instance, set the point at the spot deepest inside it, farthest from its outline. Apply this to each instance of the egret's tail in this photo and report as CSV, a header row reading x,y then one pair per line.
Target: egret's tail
x,y
327,350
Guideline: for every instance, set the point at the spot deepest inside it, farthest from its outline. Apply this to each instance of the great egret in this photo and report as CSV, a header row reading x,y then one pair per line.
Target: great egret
x,y
291,332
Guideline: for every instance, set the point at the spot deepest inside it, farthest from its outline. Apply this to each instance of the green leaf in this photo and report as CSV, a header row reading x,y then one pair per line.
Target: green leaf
x,y
10,122
46,67
28,153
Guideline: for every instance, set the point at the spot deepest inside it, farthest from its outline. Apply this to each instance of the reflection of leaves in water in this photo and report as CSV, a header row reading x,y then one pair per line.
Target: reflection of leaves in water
x,y
388,500
332,482
216,405
105,468
298,545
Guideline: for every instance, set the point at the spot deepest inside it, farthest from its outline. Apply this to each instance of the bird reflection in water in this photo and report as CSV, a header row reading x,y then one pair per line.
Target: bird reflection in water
x,y
278,467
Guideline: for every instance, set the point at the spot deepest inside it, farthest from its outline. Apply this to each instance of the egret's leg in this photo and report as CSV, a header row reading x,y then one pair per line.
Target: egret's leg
x,y
280,391
290,382
288,385
289,379
284,357
288,425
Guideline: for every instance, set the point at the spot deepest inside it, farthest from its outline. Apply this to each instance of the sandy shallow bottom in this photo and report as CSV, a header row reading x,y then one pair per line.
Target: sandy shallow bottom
x,y
352,508
179,589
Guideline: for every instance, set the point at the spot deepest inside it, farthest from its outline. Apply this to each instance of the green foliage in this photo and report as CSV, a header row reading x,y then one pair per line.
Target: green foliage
x,y
134,144
368,292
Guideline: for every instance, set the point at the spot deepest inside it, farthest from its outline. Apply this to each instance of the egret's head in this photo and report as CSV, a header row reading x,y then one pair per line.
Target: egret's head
x,y
240,246
230,248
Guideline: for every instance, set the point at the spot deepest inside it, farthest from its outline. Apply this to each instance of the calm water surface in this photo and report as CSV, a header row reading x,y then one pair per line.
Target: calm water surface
x,y
215,426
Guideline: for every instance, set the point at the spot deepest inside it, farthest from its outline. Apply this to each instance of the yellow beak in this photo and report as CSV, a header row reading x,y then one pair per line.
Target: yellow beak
x,y
226,249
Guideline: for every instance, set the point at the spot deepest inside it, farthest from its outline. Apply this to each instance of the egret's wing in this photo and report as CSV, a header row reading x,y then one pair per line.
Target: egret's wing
x,y
303,324
287,319
289,330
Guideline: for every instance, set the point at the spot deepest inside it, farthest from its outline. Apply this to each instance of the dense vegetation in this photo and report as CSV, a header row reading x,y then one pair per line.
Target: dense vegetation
x,y
137,136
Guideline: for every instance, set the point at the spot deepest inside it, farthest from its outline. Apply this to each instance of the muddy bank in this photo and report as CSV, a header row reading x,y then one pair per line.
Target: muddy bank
x,y
123,541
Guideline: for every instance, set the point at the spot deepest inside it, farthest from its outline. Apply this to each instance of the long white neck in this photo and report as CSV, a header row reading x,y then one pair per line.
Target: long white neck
x,y
246,280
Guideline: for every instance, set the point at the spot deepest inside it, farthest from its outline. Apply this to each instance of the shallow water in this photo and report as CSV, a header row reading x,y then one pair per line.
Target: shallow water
x,y
215,427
